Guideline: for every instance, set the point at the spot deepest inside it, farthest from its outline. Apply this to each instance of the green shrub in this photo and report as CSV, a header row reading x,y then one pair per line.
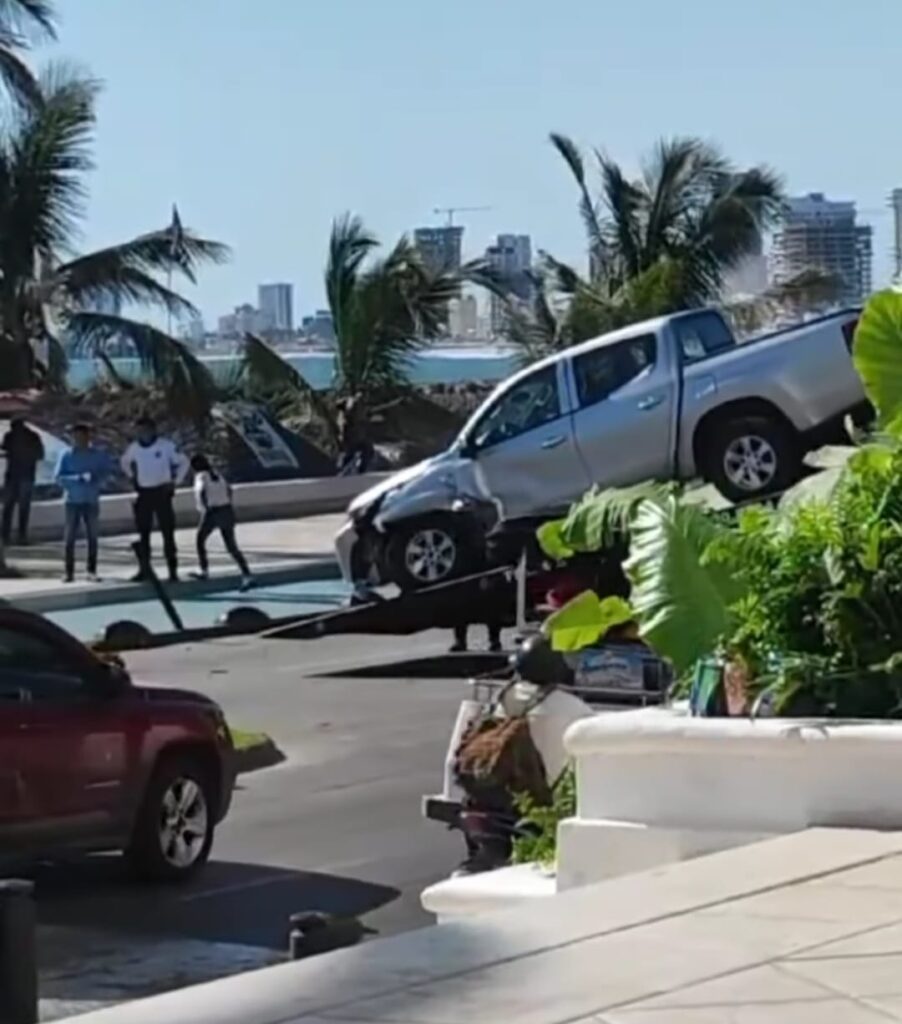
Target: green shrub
x,y
542,847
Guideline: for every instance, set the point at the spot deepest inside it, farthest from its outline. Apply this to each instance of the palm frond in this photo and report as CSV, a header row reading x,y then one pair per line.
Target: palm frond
x,y
28,18
674,180
624,202
264,370
116,273
154,253
349,245
16,76
189,385
46,154
595,235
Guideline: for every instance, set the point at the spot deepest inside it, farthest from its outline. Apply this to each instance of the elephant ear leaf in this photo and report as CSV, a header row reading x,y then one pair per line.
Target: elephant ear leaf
x,y
681,601
551,541
585,619
877,353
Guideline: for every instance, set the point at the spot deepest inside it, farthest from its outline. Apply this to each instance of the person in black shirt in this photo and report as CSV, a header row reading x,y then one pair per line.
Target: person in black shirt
x,y
23,450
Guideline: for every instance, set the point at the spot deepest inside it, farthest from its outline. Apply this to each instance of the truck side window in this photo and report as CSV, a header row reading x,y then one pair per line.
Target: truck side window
x,y
703,334
530,403
605,369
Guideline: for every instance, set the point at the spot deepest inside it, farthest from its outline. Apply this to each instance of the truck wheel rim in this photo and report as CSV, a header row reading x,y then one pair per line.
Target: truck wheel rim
x,y
750,462
430,555
184,821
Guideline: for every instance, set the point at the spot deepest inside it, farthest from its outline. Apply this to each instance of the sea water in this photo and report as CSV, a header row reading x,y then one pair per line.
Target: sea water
x,y
434,366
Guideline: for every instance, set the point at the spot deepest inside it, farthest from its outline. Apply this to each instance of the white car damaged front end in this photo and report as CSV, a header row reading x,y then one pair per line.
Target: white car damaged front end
x,y
439,494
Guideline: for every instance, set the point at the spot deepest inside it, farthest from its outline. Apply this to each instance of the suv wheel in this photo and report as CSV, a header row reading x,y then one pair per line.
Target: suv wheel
x,y
752,457
174,829
428,551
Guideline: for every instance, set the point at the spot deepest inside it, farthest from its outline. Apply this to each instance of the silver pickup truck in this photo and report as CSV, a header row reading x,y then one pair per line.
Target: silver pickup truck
x,y
672,398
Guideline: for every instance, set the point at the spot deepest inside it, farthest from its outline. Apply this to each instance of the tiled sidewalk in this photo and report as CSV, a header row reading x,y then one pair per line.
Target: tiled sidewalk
x,y
805,929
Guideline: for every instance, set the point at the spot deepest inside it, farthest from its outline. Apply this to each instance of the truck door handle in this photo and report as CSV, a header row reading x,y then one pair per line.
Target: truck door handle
x,y
553,442
651,402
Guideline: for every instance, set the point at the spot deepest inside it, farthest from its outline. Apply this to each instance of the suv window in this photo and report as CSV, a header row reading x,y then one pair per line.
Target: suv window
x,y
702,335
32,664
602,371
531,403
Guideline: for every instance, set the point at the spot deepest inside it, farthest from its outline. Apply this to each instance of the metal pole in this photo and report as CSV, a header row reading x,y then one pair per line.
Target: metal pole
x,y
521,594
18,960
164,599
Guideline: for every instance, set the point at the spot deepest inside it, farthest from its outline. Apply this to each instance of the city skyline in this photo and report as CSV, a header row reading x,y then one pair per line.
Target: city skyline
x,y
358,131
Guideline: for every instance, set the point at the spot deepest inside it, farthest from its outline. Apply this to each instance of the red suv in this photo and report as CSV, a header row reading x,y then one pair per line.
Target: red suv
x,y
90,761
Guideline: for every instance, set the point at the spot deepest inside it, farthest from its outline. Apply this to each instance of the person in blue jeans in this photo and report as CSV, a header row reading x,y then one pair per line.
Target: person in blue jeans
x,y
80,472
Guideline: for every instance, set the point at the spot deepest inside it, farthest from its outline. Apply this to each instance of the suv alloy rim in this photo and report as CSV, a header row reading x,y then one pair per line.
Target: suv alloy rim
x,y
183,822
430,555
750,462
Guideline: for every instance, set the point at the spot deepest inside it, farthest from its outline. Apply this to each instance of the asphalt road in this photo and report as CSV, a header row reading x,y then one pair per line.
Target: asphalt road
x,y
335,827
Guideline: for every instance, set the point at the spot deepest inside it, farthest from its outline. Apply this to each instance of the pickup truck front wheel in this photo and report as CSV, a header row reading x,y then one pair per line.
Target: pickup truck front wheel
x,y
431,550
751,457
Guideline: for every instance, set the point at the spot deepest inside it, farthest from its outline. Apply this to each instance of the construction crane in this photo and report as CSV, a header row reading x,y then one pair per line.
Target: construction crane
x,y
451,210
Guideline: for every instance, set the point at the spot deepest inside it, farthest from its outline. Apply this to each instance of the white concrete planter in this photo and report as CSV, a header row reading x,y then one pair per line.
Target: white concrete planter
x,y
656,786
470,895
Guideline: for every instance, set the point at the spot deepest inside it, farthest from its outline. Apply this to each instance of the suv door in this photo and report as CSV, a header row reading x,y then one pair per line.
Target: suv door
x,y
624,422
526,459
69,753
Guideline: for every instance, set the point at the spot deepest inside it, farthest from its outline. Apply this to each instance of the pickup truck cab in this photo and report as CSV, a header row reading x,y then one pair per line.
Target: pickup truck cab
x,y
672,398
91,761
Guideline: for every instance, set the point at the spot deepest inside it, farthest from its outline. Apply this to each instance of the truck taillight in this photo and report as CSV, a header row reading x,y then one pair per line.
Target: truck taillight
x,y
848,330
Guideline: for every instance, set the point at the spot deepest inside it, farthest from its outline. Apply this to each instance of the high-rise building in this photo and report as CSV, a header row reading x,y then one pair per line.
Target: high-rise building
x,y
819,234
511,258
319,326
895,202
463,317
440,247
275,304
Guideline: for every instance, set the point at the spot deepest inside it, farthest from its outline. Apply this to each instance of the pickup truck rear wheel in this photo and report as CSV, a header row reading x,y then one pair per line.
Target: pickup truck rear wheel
x,y
430,550
173,832
751,457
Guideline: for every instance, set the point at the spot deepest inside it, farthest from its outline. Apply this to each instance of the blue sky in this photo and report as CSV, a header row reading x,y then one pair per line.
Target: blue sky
x,y
265,118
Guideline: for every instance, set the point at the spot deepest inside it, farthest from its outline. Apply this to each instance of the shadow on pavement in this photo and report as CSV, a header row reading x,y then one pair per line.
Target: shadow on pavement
x,y
245,904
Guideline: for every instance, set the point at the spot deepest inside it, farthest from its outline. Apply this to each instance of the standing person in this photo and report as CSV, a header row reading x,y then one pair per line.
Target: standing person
x,y
24,450
156,467
81,471
214,502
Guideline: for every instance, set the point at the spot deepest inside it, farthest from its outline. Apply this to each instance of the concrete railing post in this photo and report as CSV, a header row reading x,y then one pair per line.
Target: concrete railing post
x,y
18,959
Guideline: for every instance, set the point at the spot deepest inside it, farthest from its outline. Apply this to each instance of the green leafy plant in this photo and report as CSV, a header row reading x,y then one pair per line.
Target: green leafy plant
x,y
585,619
539,846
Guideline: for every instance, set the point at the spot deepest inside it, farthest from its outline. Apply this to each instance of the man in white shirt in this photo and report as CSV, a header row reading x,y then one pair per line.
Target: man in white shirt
x,y
156,467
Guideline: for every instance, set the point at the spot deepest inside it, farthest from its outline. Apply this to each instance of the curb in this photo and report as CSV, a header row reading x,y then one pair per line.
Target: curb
x,y
91,595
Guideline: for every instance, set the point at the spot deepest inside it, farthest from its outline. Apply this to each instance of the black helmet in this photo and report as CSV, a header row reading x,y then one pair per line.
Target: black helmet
x,y
535,662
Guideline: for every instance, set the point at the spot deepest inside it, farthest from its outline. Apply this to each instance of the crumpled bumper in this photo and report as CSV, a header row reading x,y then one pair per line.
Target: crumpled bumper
x,y
345,541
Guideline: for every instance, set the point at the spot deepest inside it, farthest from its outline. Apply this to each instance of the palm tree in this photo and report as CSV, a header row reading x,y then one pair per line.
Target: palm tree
x,y
690,206
21,20
656,245
46,291
384,310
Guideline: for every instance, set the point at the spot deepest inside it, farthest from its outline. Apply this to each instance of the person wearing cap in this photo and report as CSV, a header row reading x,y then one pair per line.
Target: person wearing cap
x,y
23,449
156,467
81,471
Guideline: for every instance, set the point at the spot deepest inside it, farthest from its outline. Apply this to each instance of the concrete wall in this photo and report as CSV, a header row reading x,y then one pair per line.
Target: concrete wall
x,y
278,499
656,786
